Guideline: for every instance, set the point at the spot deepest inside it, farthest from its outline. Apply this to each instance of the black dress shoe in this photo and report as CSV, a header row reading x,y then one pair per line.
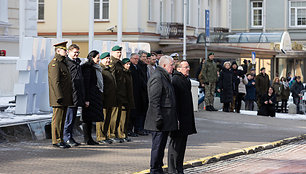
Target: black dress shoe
x,y
61,145
116,140
72,143
107,141
142,133
91,142
132,134
127,139
208,108
213,109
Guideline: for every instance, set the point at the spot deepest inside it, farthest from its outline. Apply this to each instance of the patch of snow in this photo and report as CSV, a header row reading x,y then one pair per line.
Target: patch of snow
x,y
4,101
279,115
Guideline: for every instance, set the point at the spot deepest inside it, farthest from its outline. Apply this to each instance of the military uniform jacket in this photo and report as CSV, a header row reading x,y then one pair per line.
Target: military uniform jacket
x,y
59,79
109,93
262,84
117,71
209,72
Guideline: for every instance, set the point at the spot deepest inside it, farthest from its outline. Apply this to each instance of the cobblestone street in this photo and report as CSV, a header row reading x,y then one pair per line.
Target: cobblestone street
x,y
290,158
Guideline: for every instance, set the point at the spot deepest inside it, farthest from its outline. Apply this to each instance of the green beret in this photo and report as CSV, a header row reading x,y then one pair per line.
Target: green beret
x,y
211,53
116,48
149,55
103,55
125,60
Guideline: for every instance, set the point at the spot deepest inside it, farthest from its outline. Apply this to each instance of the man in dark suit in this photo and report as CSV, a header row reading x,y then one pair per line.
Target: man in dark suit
x,y
182,88
161,115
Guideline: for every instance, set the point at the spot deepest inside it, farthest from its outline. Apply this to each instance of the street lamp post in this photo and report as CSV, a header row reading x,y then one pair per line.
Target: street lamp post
x,y
91,25
119,25
185,21
59,20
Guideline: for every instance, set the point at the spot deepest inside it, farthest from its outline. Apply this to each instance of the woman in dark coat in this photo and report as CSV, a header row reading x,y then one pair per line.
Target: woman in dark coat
x,y
268,103
285,93
226,86
250,96
93,82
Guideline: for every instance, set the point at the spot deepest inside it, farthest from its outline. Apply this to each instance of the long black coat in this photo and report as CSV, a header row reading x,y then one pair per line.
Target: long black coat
x,y
226,85
78,91
267,109
139,89
93,113
262,83
296,89
235,80
162,104
184,104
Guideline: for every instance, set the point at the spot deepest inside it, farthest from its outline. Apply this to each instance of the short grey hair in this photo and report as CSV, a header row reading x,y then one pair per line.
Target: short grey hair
x,y
133,54
140,52
164,60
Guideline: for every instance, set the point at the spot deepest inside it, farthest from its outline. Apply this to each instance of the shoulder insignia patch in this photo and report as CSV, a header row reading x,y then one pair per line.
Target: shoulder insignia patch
x,y
53,65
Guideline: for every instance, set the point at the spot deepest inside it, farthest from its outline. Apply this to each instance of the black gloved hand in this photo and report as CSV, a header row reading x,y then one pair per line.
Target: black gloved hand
x,y
60,101
159,124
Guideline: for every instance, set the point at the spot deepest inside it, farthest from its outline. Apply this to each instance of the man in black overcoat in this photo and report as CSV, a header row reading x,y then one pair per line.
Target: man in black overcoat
x,y
161,115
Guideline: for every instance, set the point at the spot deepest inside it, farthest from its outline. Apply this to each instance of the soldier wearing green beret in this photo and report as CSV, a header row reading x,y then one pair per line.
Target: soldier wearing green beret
x,y
60,93
122,101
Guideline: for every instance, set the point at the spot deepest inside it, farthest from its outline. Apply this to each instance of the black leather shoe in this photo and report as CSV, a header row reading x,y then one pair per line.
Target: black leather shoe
x,y
127,139
208,108
72,143
91,142
108,141
213,109
116,140
132,134
142,133
61,145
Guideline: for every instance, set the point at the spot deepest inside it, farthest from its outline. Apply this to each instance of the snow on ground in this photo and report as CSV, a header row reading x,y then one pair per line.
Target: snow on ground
x,y
4,101
279,115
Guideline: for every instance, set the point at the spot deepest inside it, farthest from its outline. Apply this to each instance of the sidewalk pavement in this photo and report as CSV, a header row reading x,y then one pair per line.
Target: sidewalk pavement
x,y
290,158
218,132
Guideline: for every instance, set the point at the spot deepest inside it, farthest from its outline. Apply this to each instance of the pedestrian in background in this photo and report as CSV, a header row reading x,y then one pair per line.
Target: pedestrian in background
x,y
262,84
208,80
296,89
250,96
226,86
243,80
109,101
93,82
276,85
236,81
268,101
60,93
182,88
78,92
285,93
152,65
161,115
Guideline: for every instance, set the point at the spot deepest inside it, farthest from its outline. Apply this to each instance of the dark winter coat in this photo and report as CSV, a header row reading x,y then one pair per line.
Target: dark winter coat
x,y
117,70
59,78
250,91
109,90
184,104
226,85
161,114
94,112
285,92
139,89
277,91
267,109
236,81
296,89
78,91
129,88
262,84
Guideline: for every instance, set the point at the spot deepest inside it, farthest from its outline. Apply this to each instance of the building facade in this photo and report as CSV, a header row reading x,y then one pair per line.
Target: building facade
x,y
158,22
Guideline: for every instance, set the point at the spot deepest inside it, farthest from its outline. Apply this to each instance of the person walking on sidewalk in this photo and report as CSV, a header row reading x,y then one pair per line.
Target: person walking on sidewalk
x,y
296,89
250,96
93,82
182,88
285,93
109,101
208,80
60,93
161,115
78,92
262,84
226,86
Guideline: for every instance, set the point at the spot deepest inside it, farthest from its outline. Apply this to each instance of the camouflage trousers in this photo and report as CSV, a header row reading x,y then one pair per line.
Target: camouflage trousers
x,y
209,94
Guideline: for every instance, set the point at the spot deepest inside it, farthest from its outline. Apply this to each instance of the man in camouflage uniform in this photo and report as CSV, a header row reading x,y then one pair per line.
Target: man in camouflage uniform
x,y
60,93
208,79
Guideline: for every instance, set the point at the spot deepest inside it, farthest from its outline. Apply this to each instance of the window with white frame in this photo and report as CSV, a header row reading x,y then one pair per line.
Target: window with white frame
x,y
297,13
41,10
257,13
3,11
101,9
